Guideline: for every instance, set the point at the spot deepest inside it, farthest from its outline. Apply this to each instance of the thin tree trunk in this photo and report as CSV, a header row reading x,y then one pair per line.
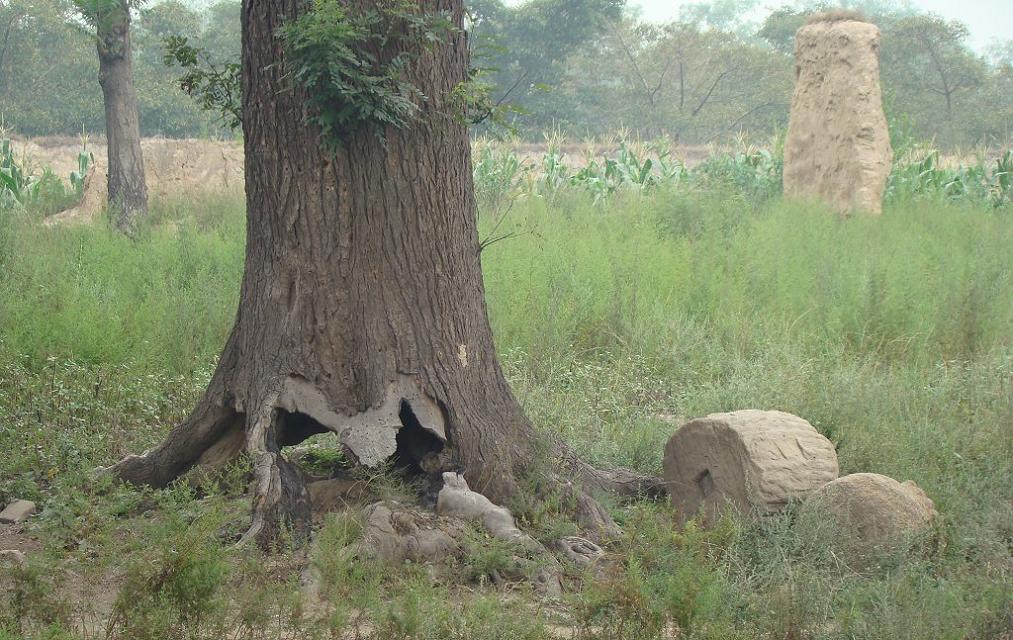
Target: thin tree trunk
x,y
128,192
362,307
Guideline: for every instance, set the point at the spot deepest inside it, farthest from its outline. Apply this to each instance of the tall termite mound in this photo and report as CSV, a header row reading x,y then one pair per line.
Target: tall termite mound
x,y
838,146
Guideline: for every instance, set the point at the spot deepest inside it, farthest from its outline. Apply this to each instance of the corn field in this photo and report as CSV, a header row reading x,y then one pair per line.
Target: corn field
x,y
502,174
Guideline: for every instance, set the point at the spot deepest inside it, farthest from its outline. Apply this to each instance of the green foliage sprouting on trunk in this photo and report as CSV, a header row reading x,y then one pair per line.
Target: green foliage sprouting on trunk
x,y
354,63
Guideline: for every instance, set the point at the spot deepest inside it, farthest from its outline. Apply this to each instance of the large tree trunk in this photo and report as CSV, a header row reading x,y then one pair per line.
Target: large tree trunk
x,y
128,193
362,309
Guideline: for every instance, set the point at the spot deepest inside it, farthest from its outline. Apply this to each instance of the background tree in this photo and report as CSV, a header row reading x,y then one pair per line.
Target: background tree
x,y
779,27
525,49
569,48
928,65
730,16
682,80
162,107
31,75
128,192
362,307
221,34
1002,85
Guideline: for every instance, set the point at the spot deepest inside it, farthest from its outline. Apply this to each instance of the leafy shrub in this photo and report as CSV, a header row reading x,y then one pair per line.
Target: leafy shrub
x,y
173,588
354,63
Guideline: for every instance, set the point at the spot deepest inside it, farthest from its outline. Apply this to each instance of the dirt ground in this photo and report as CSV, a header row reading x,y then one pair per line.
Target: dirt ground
x,y
171,166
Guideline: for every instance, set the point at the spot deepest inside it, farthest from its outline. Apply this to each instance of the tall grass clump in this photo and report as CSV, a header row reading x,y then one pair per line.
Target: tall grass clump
x,y
105,342
90,294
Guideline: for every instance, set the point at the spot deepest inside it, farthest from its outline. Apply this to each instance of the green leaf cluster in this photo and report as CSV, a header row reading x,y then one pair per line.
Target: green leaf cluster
x,y
354,64
214,87
104,13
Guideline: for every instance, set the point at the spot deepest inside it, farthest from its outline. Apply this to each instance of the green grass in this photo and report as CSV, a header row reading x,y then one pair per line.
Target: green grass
x,y
892,335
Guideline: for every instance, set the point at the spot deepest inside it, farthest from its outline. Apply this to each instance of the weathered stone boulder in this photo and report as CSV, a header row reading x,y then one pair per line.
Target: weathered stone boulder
x,y
11,560
869,513
457,500
17,512
395,533
838,146
750,460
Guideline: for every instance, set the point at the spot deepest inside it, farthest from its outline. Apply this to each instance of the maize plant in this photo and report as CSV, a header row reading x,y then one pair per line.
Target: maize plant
x,y
754,175
498,176
601,182
928,179
1001,189
17,186
84,158
555,173
670,170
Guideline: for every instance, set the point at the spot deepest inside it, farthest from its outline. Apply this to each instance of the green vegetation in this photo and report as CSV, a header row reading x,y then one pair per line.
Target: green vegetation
x,y
356,66
46,94
676,292
17,186
629,290
44,194
751,174
216,88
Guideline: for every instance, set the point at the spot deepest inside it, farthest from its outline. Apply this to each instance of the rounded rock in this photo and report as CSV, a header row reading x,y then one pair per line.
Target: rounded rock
x,y
873,513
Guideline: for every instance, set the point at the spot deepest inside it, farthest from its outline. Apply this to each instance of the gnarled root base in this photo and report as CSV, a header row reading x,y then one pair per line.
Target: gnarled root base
x,y
280,499
217,436
408,429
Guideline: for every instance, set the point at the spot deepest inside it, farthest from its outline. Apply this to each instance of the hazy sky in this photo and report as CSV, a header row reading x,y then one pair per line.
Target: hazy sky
x,y
988,20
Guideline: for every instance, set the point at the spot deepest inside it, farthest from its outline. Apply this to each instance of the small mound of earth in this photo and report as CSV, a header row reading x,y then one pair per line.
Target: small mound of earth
x,y
872,513
395,533
748,460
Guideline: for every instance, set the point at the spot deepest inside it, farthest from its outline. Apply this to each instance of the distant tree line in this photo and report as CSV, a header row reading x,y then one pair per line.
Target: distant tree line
x,y
583,67
48,66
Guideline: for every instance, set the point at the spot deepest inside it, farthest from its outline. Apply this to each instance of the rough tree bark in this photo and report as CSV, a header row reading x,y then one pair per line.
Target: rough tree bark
x,y
362,306
128,192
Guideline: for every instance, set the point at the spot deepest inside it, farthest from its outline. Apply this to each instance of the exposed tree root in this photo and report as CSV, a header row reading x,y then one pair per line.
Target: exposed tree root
x,y
210,436
622,483
280,499
407,424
